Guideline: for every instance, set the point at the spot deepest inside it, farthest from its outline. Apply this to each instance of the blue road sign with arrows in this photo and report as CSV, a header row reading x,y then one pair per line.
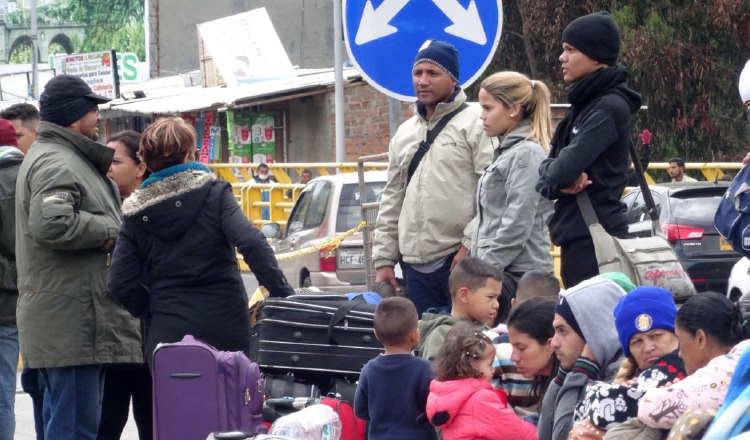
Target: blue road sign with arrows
x,y
383,36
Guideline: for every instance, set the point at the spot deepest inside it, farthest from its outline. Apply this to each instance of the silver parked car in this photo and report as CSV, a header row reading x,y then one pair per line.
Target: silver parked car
x,y
327,206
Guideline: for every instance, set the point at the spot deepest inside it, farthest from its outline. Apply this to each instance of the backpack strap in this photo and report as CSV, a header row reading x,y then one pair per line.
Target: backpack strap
x,y
432,134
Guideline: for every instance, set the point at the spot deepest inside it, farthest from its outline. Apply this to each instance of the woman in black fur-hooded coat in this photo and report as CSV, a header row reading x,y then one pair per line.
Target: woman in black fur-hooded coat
x,y
175,263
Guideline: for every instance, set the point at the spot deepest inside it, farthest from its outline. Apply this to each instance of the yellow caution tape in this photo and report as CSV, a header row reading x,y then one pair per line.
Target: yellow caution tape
x,y
331,244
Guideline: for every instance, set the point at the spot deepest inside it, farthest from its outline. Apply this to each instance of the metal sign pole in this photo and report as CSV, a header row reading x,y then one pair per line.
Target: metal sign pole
x,y
34,53
339,79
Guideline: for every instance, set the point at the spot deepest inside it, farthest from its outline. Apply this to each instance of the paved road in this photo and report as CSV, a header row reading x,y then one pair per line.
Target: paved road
x,y
25,419
25,412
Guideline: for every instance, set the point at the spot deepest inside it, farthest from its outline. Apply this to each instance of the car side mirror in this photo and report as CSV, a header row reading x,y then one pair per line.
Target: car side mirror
x,y
271,230
641,228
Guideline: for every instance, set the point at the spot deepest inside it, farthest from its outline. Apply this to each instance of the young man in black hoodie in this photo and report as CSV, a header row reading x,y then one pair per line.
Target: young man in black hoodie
x,y
591,144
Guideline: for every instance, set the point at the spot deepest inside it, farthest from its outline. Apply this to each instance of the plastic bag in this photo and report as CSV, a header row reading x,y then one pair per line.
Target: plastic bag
x,y
316,422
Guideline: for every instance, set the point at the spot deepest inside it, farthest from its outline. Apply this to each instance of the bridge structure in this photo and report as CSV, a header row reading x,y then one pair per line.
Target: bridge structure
x,y
67,35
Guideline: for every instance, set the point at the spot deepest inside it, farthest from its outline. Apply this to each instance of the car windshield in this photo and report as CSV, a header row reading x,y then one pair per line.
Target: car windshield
x,y
350,214
695,208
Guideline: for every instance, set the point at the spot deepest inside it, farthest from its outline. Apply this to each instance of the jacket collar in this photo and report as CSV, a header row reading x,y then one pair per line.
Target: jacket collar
x,y
519,133
453,102
167,187
97,154
162,174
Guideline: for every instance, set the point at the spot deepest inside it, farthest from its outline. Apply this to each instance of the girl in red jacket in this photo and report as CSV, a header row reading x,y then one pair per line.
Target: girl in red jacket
x,y
462,403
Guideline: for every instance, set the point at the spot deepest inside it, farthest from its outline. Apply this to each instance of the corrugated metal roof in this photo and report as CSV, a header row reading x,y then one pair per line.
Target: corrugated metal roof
x,y
191,99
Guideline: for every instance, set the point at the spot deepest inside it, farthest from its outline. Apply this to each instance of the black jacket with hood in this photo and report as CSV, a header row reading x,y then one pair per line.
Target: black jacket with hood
x,y
175,260
594,137
10,162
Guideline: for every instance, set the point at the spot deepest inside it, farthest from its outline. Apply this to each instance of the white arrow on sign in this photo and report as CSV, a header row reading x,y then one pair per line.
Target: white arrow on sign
x,y
466,22
374,23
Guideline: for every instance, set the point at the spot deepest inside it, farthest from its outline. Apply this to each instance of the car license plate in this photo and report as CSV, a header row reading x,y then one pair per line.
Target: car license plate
x,y
724,244
349,258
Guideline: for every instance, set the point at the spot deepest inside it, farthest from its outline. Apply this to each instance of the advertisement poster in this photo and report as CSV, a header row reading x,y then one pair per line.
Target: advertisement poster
x,y
214,154
264,139
206,138
246,48
97,69
239,127
198,123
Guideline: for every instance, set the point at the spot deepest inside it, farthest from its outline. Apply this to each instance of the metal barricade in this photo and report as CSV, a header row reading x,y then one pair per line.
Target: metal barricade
x,y
286,172
369,216
267,202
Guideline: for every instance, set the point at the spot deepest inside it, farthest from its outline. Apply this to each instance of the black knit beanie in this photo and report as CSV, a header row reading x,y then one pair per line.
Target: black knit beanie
x,y
596,35
563,309
441,54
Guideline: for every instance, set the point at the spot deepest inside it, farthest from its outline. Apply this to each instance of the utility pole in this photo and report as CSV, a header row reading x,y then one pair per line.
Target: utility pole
x,y
338,72
34,51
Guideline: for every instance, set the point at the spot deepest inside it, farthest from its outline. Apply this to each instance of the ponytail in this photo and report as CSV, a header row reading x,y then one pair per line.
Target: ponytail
x,y
716,315
540,113
463,343
533,96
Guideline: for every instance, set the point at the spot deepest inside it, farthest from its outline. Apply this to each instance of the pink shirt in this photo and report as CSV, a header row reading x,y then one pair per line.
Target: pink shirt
x,y
704,389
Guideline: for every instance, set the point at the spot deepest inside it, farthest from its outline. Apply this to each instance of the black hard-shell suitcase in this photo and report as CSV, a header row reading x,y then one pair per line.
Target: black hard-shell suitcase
x,y
316,333
289,386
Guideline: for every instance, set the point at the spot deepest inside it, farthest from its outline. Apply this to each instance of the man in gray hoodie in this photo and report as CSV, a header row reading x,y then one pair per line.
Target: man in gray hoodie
x,y
587,347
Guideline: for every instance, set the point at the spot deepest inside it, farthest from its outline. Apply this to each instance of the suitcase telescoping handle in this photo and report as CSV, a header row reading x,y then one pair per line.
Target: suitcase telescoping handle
x,y
296,403
185,375
340,314
233,435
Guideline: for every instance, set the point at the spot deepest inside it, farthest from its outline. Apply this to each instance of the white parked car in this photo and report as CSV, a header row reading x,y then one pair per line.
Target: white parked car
x,y
327,206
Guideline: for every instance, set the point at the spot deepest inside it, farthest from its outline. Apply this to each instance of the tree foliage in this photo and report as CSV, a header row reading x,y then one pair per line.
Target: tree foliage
x,y
21,54
684,57
110,24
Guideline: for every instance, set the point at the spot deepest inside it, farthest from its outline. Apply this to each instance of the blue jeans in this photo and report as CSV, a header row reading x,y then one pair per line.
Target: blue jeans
x,y
72,401
32,385
428,290
8,370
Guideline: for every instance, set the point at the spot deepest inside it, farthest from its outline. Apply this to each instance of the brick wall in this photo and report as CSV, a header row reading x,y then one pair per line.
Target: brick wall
x,y
366,121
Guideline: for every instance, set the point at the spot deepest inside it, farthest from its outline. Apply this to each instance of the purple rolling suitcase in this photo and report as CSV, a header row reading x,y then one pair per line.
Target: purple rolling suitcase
x,y
199,390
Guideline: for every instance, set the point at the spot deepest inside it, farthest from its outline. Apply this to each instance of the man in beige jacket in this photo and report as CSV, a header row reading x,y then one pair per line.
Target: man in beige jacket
x,y
424,217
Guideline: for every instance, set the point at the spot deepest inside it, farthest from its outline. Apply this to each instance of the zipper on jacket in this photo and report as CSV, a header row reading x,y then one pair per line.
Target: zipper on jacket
x,y
109,258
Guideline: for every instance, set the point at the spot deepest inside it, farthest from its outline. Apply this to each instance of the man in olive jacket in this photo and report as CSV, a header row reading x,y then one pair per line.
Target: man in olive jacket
x,y
67,219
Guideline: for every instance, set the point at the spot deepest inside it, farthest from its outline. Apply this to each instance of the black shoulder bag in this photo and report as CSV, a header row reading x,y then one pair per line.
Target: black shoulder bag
x,y
432,134
647,261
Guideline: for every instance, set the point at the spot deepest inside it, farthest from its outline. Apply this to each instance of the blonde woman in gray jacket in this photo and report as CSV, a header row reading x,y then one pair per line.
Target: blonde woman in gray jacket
x,y
511,223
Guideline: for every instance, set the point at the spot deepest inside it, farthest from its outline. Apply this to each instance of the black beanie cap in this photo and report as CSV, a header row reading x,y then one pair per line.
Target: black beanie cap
x,y
596,35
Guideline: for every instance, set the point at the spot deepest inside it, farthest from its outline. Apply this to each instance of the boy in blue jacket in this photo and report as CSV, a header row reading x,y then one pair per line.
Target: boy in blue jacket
x,y
392,390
